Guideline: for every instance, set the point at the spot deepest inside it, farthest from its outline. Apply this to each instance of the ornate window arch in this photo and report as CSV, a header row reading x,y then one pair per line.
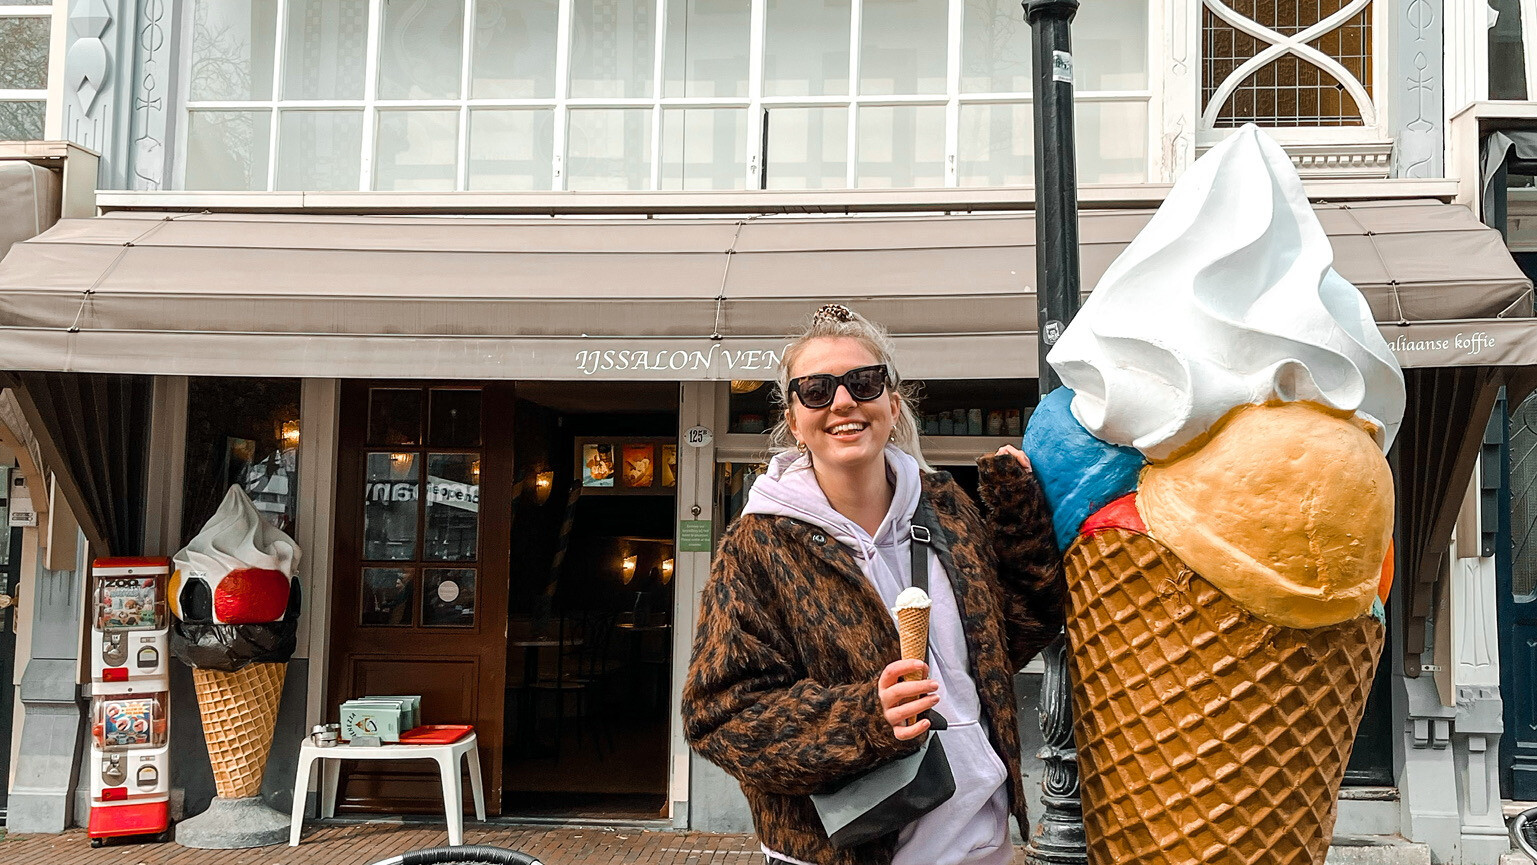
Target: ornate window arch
x,y
1287,63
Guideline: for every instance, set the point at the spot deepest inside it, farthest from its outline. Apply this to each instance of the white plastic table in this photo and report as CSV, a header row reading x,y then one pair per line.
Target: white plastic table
x,y
447,757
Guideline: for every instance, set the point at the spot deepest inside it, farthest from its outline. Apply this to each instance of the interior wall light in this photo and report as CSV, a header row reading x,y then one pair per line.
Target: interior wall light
x,y
627,568
667,566
745,385
543,483
290,434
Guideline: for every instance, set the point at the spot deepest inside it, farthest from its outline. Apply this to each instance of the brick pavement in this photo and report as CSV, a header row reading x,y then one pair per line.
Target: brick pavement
x,y
362,843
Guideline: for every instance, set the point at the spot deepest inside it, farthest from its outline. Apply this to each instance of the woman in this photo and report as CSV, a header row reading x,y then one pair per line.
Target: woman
x,y
794,682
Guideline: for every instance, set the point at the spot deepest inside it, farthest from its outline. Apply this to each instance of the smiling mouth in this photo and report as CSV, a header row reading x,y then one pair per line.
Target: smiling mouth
x,y
847,428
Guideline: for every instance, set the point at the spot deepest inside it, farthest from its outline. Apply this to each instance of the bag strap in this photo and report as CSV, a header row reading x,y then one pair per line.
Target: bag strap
x,y
922,534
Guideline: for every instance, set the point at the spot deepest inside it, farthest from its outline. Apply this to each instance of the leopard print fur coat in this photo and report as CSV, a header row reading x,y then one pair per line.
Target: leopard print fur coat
x,y
781,688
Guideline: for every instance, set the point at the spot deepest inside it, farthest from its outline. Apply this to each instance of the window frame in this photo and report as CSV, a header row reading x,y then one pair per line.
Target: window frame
x,y
44,94
755,103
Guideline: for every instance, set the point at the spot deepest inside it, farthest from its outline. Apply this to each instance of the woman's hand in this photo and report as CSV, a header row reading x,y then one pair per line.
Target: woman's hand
x,y
903,701
1016,453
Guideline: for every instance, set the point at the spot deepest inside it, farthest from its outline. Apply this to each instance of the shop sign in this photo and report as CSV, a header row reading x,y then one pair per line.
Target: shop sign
x,y
1461,343
715,359
694,536
439,492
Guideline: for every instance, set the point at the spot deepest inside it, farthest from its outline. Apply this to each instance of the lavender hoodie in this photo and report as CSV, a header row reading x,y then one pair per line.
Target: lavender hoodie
x,y
972,827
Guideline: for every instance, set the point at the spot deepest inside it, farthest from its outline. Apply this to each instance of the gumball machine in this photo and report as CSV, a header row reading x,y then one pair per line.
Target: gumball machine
x,y
129,766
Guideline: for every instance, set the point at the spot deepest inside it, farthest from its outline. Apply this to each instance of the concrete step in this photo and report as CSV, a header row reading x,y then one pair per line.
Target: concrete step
x,y
1377,850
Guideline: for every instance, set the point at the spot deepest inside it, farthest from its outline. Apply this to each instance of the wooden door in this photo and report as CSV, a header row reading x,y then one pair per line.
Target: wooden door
x,y
419,598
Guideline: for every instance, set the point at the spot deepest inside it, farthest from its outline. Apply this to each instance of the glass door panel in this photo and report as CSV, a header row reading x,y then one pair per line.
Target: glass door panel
x,y
390,507
453,507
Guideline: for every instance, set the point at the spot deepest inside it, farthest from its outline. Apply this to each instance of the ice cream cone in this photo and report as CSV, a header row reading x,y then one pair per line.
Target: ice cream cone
x,y
1204,734
913,628
239,710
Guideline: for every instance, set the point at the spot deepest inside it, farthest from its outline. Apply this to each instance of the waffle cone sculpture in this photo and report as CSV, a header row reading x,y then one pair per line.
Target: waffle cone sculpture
x,y
1217,480
1204,734
239,711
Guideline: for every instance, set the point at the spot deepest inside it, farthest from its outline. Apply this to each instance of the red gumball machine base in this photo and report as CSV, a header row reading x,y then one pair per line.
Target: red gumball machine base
x,y
127,819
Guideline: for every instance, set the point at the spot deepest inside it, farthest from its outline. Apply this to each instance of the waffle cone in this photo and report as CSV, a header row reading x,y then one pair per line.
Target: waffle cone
x,y
913,628
239,710
1204,735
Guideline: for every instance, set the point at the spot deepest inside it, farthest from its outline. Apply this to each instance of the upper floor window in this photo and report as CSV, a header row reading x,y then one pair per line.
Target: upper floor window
x,y
1300,63
24,42
644,94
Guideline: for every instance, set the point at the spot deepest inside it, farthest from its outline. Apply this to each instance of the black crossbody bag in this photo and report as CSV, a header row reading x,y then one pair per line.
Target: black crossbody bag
x,y
888,797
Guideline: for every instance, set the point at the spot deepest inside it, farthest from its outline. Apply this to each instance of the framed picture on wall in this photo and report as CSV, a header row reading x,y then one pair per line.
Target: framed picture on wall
x,y
627,465
639,467
597,465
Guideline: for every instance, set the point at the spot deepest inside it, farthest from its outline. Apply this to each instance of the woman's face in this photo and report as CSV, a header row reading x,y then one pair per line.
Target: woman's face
x,y
848,434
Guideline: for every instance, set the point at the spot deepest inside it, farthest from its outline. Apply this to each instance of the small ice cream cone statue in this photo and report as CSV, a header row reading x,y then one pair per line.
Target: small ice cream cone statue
x,y
1216,474
239,711
912,612
235,604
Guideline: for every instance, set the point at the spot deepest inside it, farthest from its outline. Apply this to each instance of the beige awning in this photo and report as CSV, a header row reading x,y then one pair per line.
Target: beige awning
x,y
29,201
678,298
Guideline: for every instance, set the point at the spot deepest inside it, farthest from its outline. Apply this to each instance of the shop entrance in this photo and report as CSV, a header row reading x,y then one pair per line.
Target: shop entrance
x,y
419,599
590,606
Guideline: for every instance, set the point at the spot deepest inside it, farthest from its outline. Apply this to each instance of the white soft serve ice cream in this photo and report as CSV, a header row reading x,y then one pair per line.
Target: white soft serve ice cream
x,y
1227,297
912,598
237,537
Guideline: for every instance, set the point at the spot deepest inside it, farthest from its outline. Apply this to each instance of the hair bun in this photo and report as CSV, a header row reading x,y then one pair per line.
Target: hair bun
x,y
833,312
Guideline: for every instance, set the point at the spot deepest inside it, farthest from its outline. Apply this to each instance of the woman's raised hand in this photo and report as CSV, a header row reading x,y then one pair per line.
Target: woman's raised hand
x,y
1014,452
904,701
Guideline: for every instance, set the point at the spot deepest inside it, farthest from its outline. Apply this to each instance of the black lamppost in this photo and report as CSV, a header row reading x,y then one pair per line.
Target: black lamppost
x,y
1058,835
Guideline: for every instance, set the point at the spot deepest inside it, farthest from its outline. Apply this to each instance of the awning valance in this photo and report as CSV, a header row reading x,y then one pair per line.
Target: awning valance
x,y
569,298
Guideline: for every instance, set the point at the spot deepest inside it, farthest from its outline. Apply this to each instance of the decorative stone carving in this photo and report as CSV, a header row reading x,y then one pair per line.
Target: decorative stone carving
x,y
151,115
1418,91
87,62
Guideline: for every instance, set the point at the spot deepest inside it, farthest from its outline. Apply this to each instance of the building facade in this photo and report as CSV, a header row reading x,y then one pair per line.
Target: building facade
x,y
476,299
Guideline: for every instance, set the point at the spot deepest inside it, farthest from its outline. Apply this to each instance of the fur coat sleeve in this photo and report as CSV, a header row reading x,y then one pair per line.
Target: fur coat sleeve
x,y
749,705
1029,564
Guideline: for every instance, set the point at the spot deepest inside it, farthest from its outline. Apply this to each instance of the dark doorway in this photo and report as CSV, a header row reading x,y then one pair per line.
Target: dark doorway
x,y
10,572
590,602
1516,594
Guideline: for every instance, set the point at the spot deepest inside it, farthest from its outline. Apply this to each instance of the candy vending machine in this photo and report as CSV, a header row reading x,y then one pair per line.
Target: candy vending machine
x,y
129,767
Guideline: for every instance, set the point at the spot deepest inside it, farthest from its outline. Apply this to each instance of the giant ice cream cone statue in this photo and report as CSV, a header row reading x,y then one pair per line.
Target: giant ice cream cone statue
x,y
236,603
1215,467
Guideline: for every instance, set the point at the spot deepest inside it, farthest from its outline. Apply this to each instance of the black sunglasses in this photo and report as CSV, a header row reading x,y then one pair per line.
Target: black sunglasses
x,y
817,391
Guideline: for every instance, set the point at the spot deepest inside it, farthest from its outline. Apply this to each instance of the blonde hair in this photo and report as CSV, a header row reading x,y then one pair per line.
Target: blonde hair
x,y
835,321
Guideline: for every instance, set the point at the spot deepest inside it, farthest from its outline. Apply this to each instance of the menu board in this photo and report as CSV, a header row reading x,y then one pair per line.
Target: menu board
x,y
627,465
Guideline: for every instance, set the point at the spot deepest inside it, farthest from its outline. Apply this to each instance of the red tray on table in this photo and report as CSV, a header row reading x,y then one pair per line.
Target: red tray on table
x,y
435,734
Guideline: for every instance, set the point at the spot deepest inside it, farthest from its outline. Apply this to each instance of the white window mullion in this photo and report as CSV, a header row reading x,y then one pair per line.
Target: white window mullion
x,y
757,169
953,94
856,26
658,70
462,176
279,49
370,93
562,92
